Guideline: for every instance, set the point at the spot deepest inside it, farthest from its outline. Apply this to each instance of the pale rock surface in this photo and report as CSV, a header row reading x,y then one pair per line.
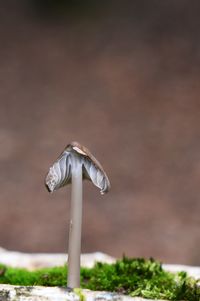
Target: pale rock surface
x,y
191,270
39,293
41,260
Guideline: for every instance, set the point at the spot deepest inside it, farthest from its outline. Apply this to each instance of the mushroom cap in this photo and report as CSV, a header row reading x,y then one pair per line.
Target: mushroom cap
x,y
60,173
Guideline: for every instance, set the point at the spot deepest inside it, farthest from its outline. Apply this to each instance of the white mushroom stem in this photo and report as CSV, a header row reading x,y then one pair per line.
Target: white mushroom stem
x,y
74,250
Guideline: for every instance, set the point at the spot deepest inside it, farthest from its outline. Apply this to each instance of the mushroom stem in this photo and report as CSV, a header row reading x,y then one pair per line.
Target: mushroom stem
x,y
74,249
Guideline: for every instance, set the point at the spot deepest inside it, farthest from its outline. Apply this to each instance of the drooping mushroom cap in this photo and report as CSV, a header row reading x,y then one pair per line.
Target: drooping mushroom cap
x,y
60,172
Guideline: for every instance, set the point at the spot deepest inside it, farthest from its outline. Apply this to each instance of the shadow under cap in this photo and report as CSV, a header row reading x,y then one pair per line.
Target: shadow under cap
x,y
60,172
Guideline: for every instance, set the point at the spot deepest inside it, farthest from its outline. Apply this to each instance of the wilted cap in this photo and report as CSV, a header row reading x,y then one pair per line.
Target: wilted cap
x,y
60,173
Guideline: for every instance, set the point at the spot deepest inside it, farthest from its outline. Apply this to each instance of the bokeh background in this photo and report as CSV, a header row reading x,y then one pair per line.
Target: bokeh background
x,y
122,78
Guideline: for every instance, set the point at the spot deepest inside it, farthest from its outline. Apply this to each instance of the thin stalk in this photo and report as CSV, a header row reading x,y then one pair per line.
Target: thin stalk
x,y
74,251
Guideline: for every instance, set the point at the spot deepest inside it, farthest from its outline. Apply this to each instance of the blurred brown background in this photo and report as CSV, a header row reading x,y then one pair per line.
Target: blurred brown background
x,y
121,77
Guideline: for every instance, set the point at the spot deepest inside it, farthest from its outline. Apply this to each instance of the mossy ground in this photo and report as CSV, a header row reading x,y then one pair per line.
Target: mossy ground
x,y
135,277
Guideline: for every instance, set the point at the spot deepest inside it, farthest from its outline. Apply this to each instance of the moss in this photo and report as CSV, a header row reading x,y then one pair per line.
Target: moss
x,y
47,277
134,277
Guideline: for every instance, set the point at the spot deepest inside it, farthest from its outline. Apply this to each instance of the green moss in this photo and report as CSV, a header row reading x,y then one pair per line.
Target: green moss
x,y
47,277
134,277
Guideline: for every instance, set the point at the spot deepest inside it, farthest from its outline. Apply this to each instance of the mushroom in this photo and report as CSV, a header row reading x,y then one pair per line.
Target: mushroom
x,y
73,165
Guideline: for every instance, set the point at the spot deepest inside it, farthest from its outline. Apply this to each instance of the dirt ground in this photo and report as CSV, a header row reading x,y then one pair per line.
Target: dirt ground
x,y
121,77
